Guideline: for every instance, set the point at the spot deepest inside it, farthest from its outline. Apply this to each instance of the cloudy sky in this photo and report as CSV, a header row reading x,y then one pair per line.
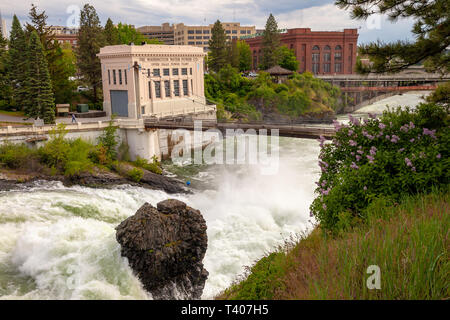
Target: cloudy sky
x,y
315,14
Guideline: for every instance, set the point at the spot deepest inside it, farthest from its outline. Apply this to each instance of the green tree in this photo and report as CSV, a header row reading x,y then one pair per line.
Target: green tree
x,y
90,40
245,56
218,47
128,34
270,44
5,85
17,62
233,54
111,33
39,97
59,71
287,58
431,29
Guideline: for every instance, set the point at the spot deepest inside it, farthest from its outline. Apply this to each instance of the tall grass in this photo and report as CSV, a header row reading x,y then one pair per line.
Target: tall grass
x,y
408,241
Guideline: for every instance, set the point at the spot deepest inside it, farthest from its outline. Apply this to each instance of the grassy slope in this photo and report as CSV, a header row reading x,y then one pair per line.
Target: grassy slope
x,y
408,241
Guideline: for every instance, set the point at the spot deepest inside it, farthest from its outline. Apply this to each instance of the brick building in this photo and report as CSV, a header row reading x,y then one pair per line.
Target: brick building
x,y
65,35
319,52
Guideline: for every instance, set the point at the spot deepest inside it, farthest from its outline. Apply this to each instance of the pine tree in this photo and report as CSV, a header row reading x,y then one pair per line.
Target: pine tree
x,y
270,44
111,33
17,63
59,72
90,39
39,96
218,47
6,101
431,29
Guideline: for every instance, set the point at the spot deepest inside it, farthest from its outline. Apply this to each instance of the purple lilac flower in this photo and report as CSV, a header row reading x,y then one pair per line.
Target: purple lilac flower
x,y
360,152
388,137
321,140
358,157
354,166
372,116
353,120
408,162
373,150
394,138
404,128
324,183
430,133
411,125
438,156
337,125
352,153
381,126
412,140
401,150
350,132
324,206
413,169
352,143
370,158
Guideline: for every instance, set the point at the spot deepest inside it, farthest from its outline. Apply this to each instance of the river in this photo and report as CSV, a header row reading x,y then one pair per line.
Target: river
x,y
59,242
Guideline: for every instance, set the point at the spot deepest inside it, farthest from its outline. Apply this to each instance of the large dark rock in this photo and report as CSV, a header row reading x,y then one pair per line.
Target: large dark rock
x,y
165,247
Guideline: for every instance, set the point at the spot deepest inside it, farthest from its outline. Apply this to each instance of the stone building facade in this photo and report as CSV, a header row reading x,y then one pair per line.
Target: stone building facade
x,y
319,52
152,80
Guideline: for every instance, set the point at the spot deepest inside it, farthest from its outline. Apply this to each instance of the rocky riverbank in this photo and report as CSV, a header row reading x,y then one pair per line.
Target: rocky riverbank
x,y
95,178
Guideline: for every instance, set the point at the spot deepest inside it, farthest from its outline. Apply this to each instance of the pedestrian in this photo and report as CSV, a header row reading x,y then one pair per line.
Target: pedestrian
x,y
74,119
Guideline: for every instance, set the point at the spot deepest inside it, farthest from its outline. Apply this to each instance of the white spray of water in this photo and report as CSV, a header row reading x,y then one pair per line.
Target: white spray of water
x,y
59,243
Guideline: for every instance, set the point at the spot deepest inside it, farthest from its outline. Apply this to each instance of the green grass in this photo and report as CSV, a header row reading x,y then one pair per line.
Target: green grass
x,y
408,241
13,113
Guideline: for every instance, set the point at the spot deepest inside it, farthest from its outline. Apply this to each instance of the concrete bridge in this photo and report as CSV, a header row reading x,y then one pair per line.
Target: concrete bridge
x,y
309,130
358,89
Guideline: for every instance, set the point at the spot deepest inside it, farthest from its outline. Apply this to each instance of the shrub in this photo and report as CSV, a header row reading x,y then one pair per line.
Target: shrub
x,y
404,152
15,155
78,157
55,152
135,174
109,140
154,166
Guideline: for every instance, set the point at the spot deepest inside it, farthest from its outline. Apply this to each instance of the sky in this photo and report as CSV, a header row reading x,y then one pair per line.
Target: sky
x,y
319,15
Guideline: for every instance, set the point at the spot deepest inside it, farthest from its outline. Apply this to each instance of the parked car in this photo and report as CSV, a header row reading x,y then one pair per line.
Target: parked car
x,y
82,88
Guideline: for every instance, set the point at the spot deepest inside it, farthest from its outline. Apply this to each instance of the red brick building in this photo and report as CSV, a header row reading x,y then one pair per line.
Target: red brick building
x,y
319,52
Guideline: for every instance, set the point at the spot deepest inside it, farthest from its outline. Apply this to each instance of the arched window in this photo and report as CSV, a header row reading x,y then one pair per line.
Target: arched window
x,y
327,48
316,59
316,48
338,47
327,58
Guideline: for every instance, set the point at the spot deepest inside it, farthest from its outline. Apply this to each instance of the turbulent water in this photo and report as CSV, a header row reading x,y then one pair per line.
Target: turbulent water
x,y
59,243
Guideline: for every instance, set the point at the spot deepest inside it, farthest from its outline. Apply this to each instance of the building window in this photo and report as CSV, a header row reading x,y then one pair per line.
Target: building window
x,y
234,37
191,37
176,87
125,75
338,56
175,71
327,48
109,77
242,32
316,48
315,68
316,57
198,37
337,67
206,31
338,48
198,31
326,68
156,72
150,89
167,87
114,77
234,32
184,71
191,43
166,72
227,31
199,43
190,71
190,32
327,57
157,89
120,76
185,87
206,37
249,31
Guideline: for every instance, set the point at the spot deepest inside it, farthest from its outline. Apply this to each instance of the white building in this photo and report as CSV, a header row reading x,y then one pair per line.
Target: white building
x,y
152,80
3,29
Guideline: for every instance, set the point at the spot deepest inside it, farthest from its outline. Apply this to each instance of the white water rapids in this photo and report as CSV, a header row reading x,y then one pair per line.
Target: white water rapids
x,y
59,243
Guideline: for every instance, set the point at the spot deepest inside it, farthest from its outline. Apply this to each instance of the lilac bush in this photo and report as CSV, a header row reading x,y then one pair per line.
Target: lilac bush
x,y
403,152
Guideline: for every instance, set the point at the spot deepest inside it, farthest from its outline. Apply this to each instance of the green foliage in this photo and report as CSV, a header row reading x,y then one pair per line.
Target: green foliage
x,y
55,152
218,57
270,44
78,157
154,166
108,139
135,174
39,93
123,153
90,39
127,34
245,55
431,29
404,152
441,95
6,90
15,155
287,58
111,33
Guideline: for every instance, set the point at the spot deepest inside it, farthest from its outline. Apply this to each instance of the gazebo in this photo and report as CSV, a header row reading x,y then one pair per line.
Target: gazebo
x,y
279,73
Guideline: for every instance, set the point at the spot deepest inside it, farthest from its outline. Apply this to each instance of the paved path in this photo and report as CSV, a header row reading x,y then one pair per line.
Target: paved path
x,y
68,120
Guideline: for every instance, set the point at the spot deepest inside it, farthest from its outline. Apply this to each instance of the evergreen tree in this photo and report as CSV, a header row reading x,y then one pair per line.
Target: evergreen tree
x,y
59,72
6,101
40,101
270,44
90,40
111,33
17,63
218,47
245,56
431,29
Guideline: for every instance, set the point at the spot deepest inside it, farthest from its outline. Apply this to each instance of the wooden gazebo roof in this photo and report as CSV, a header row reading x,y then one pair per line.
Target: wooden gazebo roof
x,y
278,71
